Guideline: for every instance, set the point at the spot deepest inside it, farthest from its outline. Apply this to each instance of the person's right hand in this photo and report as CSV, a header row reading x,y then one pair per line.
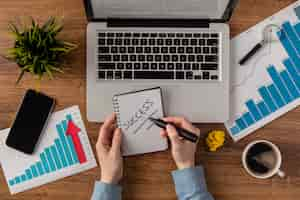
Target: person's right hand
x,y
183,151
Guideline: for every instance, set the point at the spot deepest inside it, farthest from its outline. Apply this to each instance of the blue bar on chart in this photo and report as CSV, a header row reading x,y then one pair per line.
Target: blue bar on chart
x,y
248,118
72,148
276,96
17,179
44,162
267,98
253,110
279,84
50,159
290,84
63,139
65,125
70,141
28,174
23,177
289,49
297,28
241,124
290,32
69,117
55,156
292,71
11,182
34,171
263,109
40,168
61,152
234,130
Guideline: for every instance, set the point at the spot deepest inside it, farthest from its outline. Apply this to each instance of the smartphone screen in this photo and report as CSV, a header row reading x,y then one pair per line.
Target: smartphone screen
x,y
30,121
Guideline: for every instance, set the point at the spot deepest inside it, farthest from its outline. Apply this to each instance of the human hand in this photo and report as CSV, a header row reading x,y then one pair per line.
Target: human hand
x,y
108,149
183,151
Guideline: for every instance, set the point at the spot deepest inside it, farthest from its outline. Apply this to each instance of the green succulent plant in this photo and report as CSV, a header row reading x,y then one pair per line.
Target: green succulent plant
x,y
37,49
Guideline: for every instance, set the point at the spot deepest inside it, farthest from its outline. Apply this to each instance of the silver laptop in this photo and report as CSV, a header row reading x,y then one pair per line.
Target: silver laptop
x,y
180,45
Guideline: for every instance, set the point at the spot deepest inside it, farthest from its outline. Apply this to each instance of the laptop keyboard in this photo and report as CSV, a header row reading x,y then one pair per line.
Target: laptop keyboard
x,y
150,55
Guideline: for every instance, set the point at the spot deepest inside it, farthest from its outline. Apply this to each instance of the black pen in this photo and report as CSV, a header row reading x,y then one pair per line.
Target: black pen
x,y
181,132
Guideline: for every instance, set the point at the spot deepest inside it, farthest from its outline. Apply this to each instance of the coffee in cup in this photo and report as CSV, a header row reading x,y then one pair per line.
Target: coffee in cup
x,y
262,159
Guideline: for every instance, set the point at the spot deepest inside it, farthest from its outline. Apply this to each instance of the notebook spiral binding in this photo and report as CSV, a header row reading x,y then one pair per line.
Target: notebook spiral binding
x,y
116,108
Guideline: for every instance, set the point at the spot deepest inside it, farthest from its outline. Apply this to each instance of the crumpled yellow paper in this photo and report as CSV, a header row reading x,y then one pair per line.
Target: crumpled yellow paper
x,y
215,140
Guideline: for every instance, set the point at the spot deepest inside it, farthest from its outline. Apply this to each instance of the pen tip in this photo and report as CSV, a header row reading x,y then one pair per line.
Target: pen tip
x,y
150,118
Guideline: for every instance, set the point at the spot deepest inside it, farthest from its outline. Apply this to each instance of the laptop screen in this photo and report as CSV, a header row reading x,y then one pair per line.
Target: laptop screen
x,y
165,9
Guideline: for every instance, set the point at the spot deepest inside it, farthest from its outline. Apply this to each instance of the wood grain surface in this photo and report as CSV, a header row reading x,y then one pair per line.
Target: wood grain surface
x,y
146,177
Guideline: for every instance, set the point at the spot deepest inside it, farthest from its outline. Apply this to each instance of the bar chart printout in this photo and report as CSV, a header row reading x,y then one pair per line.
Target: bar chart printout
x,y
281,90
64,150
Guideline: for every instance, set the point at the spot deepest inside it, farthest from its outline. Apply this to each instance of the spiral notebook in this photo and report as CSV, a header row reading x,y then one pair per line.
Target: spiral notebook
x,y
133,109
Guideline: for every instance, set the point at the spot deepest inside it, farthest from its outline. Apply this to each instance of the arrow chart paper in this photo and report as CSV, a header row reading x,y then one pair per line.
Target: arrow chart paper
x,y
268,85
63,150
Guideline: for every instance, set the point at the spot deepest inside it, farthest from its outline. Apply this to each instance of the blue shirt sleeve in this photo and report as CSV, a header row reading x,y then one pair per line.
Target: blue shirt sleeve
x,y
190,184
103,191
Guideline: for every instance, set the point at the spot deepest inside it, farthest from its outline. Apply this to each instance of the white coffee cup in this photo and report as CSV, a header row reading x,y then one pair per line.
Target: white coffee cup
x,y
278,160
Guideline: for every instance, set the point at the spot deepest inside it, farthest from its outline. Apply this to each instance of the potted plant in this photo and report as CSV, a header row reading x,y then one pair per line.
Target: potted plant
x,y
37,50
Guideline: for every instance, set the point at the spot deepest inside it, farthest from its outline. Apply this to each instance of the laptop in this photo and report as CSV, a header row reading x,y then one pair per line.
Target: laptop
x,y
181,46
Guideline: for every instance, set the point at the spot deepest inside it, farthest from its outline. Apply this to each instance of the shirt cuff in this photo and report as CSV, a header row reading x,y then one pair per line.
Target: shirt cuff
x,y
189,180
104,191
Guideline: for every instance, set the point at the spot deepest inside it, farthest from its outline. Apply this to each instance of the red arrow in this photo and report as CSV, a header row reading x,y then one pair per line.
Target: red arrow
x,y
73,131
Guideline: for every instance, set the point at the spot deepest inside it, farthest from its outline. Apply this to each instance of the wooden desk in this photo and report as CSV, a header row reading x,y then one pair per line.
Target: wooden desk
x,y
146,177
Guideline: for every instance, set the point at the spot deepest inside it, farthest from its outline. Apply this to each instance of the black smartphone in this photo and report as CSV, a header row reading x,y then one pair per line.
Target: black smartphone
x,y
30,121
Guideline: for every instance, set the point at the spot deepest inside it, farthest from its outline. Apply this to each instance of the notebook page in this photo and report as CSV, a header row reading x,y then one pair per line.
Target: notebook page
x,y
140,134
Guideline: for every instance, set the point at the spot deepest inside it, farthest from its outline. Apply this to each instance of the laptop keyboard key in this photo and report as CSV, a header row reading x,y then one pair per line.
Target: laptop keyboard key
x,y
110,75
128,65
120,66
104,58
137,66
170,66
101,34
211,58
214,50
154,66
209,66
103,50
145,66
206,50
132,58
101,41
124,58
199,58
180,75
178,66
153,74
205,75
212,42
127,75
101,74
214,77
114,49
157,58
162,66
187,66
189,75
195,66
109,66
130,50
116,58
118,75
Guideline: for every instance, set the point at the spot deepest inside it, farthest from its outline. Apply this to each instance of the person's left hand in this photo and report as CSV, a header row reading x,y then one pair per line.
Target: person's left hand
x,y
109,151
